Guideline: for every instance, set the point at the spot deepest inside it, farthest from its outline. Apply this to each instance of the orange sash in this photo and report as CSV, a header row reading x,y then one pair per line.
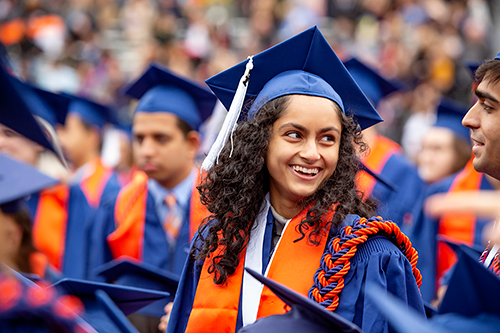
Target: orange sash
x,y
49,228
197,211
94,184
459,227
215,307
38,263
381,150
130,215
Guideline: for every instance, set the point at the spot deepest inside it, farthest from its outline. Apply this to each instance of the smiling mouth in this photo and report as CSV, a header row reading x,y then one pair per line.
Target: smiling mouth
x,y
311,172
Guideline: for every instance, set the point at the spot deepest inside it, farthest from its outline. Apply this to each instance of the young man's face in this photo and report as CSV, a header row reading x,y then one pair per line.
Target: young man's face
x,y
161,149
484,121
77,140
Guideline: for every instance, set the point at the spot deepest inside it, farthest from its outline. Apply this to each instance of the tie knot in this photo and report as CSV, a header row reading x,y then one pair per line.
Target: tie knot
x,y
170,200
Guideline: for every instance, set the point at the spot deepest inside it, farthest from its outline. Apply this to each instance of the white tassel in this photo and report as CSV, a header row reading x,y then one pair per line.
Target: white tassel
x,y
51,135
231,120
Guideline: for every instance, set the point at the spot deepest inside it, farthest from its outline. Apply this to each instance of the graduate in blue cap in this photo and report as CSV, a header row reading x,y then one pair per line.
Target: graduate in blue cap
x,y
151,219
281,190
17,250
446,146
155,216
479,174
385,156
58,214
448,142
81,138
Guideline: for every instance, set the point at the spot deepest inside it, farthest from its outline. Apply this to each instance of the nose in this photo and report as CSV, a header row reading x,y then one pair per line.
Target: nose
x,y
310,151
471,119
147,147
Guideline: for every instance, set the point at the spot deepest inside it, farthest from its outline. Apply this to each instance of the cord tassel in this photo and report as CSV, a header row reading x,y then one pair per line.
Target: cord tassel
x,y
231,120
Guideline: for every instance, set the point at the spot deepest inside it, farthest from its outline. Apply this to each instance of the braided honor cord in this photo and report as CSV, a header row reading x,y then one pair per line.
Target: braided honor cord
x,y
335,264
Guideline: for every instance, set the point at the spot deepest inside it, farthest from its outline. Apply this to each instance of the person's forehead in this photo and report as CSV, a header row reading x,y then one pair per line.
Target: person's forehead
x,y
155,121
492,88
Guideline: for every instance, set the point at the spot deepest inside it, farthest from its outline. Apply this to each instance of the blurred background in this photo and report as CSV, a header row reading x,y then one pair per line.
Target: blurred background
x,y
93,47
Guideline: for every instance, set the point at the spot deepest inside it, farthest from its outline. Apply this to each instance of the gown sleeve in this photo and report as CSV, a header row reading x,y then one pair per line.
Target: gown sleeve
x,y
377,261
101,225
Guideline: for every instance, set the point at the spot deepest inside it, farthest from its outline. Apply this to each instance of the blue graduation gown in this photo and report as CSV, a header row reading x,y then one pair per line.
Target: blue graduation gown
x,y
378,261
79,212
156,249
112,188
424,234
397,206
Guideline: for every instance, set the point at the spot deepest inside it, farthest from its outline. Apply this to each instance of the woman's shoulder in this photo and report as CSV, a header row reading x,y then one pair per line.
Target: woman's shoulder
x,y
370,236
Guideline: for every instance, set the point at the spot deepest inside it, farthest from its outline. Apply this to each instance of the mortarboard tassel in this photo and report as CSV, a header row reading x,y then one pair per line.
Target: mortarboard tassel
x,y
231,120
51,135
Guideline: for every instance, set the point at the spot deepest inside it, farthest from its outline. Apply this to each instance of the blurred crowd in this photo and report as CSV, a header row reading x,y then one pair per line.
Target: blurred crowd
x,y
90,48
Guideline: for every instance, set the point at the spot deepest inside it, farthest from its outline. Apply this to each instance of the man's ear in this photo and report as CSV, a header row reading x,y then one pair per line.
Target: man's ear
x,y
193,139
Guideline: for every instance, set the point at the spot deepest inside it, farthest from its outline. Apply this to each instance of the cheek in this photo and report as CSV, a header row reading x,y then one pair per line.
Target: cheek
x,y
332,159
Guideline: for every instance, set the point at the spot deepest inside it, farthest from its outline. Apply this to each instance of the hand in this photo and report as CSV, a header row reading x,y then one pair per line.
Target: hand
x,y
164,320
480,203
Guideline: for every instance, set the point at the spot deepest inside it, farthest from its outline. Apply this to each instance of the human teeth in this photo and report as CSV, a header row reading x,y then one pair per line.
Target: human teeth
x,y
305,170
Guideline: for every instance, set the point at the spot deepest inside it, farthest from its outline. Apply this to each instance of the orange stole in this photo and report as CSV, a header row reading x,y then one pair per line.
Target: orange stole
x,y
49,228
197,211
38,262
459,227
381,150
215,307
94,185
130,215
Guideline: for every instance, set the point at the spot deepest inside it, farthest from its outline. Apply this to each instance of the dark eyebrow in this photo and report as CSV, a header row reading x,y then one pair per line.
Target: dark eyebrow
x,y
327,129
297,126
485,95
303,129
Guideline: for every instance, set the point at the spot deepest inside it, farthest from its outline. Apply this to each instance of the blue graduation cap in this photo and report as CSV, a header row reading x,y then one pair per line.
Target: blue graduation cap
x,y
380,178
16,113
159,90
128,273
472,65
472,289
457,247
497,57
305,315
128,299
18,180
58,103
49,106
374,85
90,112
450,114
29,308
304,64
406,320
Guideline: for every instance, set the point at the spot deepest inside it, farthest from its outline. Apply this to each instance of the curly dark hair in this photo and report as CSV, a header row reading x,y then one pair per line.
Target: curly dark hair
x,y
233,190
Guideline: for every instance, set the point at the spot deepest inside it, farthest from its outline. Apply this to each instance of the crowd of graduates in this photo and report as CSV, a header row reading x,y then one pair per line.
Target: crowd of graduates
x,y
141,205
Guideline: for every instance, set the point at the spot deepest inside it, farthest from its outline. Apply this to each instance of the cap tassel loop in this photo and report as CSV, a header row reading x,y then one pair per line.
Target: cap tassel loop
x,y
231,120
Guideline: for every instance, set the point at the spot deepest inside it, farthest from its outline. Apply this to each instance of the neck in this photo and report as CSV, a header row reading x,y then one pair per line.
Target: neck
x,y
369,135
284,207
85,158
494,182
175,180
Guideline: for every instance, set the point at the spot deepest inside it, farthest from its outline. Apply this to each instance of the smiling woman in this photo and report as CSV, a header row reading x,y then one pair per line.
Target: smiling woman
x,y
283,200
